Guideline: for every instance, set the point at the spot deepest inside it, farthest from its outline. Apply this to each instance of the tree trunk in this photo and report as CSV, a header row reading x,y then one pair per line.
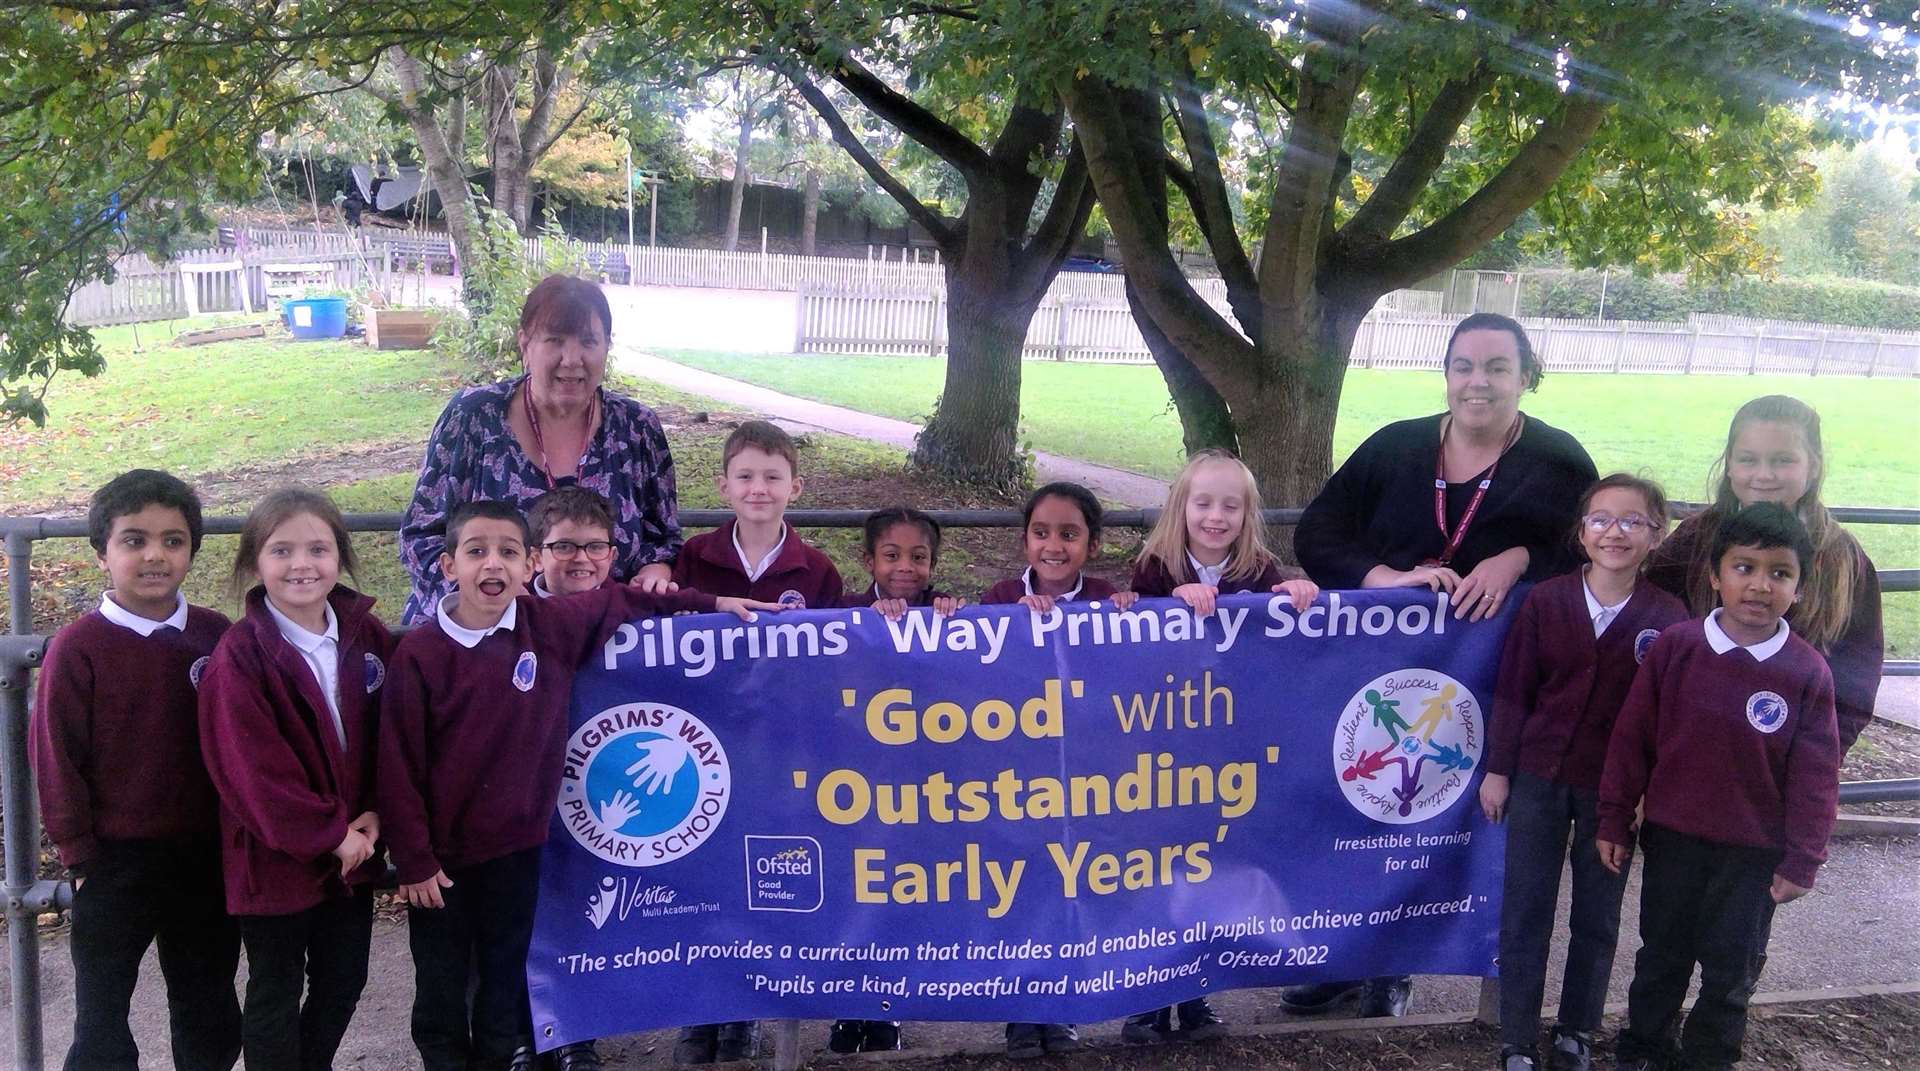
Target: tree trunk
x,y
1287,416
974,433
737,195
809,212
1205,421
513,185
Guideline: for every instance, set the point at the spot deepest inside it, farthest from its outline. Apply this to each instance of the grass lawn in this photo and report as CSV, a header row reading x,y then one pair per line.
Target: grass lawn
x,y
1669,427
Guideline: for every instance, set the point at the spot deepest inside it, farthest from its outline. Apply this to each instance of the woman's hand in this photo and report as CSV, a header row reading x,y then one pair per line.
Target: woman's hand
x,y
1431,577
1039,604
427,893
744,608
1198,596
1493,796
1124,600
1483,591
948,605
1300,593
1614,856
655,579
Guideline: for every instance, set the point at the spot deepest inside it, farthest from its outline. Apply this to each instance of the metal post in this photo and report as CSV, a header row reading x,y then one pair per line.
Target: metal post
x,y
22,837
629,196
1604,277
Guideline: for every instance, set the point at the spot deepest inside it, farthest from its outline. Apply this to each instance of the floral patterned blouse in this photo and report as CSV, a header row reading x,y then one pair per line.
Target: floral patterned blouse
x,y
473,454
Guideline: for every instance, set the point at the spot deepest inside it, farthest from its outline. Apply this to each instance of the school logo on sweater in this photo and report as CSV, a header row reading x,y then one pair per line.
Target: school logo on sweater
x,y
525,670
197,670
1643,643
1406,744
1766,711
792,600
376,673
644,784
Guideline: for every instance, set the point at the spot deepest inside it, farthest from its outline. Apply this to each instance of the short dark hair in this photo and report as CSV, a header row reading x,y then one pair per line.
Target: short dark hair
x,y
490,509
1764,525
880,520
566,305
763,436
276,508
135,490
1531,371
1081,497
581,505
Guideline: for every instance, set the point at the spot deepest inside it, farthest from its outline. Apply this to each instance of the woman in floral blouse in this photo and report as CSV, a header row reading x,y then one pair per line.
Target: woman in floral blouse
x,y
554,425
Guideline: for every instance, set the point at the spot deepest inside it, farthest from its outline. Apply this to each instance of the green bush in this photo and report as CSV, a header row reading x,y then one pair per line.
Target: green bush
x,y
498,275
1830,300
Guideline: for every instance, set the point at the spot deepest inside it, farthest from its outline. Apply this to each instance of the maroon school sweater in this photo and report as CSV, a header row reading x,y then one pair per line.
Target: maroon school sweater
x,y
116,734
855,600
1561,686
1152,579
1014,588
1728,749
287,788
800,576
472,738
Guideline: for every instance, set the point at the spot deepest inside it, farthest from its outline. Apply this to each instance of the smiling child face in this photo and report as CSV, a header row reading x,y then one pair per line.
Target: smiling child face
x,y
1057,543
902,561
148,554
582,571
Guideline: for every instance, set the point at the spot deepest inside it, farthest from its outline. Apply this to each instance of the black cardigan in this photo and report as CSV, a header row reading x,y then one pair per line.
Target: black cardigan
x,y
1378,509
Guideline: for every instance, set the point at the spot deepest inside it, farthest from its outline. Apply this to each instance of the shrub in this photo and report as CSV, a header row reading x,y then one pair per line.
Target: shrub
x,y
497,277
1672,298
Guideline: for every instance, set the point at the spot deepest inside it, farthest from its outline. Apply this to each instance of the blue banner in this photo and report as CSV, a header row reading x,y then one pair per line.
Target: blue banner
x,y
1005,816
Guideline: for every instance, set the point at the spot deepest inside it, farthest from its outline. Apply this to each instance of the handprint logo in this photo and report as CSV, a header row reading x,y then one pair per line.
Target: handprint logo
x,y
617,811
660,759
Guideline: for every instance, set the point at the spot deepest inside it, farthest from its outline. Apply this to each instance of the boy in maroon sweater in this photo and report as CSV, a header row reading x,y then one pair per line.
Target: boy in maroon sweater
x,y
116,753
474,729
573,547
755,555
1729,736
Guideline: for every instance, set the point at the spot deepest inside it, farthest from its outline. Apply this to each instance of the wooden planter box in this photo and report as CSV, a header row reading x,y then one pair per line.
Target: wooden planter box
x,y
399,329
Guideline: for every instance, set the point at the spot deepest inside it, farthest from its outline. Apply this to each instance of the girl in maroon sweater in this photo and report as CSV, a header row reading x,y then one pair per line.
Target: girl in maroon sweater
x,y
1060,531
1569,661
288,707
901,551
1773,454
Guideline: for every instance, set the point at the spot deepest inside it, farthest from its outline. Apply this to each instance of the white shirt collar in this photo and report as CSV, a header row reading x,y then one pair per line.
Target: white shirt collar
x,y
467,637
127,619
1206,574
1079,581
540,588
298,635
1721,643
754,571
1594,609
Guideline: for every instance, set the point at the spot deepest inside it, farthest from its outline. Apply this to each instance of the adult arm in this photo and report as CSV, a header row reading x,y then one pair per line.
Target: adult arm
x,y
1330,540
657,495
1568,472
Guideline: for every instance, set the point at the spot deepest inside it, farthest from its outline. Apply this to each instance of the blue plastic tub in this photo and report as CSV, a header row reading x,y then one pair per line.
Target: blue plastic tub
x,y
324,317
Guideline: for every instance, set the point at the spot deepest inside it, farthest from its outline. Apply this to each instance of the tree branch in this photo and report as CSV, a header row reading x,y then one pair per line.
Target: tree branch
x,y
1425,150
1065,221
942,232
1212,203
1492,209
911,119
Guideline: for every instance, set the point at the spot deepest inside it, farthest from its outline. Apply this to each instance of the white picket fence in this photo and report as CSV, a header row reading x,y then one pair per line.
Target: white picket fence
x,y
894,302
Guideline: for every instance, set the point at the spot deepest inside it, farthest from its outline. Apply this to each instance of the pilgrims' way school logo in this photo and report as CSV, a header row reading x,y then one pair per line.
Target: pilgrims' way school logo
x,y
644,784
1406,744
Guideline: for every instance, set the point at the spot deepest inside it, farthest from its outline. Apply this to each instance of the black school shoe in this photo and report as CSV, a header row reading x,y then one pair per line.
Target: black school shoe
x,y
579,1056
696,1045
1318,997
1572,1050
735,1041
881,1036
1383,998
523,1059
1025,1041
1147,1028
846,1035
1198,1021
1059,1038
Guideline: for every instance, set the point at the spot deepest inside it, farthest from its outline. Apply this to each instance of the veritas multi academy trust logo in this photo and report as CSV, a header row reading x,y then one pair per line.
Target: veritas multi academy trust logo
x,y
1405,745
644,784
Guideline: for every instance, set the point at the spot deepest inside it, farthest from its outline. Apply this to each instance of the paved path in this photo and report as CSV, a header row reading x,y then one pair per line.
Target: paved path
x,y
1111,484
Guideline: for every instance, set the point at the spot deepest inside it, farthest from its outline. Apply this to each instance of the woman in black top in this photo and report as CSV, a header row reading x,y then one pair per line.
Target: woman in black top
x,y
1471,501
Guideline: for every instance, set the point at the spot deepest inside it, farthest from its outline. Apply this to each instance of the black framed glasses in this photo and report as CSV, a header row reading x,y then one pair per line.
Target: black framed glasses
x,y
597,550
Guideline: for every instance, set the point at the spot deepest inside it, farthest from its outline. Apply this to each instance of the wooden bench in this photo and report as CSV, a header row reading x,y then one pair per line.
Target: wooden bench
x,y
427,253
292,280
611,266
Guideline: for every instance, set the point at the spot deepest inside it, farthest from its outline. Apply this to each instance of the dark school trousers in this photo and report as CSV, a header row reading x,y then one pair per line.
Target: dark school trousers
x,y
138,893
1706,903
482,934
323,951
1540,816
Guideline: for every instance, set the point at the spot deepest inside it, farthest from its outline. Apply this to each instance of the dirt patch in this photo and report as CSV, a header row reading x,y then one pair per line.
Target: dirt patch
x,y
1884,751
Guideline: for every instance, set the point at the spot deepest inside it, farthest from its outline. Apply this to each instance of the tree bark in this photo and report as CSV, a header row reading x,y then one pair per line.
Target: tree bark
x,y
809,211
1287,436
737,193
974,432
1205,421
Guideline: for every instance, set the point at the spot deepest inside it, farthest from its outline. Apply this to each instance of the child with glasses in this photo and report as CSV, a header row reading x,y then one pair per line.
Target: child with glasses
x,y
573,541
1570,660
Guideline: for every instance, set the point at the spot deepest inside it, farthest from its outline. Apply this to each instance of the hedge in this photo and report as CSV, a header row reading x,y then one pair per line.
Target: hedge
x,y
1829,300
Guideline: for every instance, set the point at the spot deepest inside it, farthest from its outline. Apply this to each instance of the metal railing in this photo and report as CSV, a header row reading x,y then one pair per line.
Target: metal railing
x,y
28,896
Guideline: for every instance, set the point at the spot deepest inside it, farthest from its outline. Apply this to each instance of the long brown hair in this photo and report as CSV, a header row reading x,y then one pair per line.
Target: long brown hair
x,y
274,509
1826,601
1168,540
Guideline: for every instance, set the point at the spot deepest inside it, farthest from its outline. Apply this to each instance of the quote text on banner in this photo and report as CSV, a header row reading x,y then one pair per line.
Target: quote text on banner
x,y
1008,816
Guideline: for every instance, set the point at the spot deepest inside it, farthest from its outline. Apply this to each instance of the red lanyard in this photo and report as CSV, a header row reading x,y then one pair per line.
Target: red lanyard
x,y
1479,493
540,443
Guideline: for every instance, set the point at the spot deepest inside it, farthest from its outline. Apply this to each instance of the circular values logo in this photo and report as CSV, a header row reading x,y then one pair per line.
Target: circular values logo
x,y
644,784
1406,744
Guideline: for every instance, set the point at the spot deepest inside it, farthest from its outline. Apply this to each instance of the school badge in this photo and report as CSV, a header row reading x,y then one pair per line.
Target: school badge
x,y
1766,711
376,673
644,784
1642,643
792,600
525,670
198,670
1406,744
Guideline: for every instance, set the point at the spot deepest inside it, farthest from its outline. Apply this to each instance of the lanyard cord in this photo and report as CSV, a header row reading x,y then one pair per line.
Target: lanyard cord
x,y
1459,534
540,442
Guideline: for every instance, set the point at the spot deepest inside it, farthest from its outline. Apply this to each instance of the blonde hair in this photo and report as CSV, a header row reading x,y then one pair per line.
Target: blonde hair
x,y
1248,556
1826,601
